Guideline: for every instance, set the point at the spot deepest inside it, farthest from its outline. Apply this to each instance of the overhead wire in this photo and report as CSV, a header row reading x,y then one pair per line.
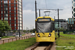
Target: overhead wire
x,y
46,4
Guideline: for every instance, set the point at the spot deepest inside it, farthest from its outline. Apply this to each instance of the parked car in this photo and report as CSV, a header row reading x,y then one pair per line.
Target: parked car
x,y
32,33
17,35
0,38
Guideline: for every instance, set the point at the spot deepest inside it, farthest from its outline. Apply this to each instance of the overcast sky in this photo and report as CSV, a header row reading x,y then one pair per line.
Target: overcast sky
x,y
29,10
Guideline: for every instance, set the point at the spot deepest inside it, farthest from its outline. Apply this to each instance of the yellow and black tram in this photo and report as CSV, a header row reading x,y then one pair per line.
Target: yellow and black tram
x,y
45,29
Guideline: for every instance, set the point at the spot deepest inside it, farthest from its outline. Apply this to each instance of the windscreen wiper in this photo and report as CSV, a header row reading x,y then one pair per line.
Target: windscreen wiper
x,y
40,29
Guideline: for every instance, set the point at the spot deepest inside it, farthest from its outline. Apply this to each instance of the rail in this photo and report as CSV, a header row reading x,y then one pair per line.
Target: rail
x,y
42,47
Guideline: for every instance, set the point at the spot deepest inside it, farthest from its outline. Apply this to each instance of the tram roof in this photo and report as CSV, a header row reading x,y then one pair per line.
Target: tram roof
x,y
45,17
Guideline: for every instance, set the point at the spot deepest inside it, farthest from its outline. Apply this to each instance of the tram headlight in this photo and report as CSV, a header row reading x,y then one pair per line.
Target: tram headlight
x,y
49,35
38,35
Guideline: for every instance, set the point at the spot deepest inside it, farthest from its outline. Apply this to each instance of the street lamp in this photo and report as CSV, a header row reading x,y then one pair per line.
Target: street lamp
x,y
35,9
19,26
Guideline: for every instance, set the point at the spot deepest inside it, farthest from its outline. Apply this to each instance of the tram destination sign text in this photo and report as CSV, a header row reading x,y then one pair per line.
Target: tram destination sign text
x,y
44,20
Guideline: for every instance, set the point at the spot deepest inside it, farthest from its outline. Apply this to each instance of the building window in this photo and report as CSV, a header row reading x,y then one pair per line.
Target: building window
x,y
4,11
15,27
1,15
74,19
14,15
1,12
10,8
9,1
1,9
5,2
5,18
74,4
14,8
1,18
1,5
6,14
74,9
5,5
74,14
10,11
10,25
14,1
1,1
6,8
14,18
9,15
10,18
15,24
73,0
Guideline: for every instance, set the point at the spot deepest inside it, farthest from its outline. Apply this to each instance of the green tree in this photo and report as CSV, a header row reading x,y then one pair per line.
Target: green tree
x,y
24,31
7,26
62,29
33,30
2,27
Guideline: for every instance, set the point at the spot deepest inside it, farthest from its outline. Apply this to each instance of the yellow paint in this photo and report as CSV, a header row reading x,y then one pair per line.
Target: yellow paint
x,y
45,17
44,37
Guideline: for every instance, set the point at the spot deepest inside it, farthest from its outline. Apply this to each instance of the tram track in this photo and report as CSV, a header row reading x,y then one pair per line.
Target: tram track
x,y
43,46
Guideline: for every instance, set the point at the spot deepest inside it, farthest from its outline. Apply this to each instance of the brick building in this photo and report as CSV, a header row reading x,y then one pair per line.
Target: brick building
x,y
11,11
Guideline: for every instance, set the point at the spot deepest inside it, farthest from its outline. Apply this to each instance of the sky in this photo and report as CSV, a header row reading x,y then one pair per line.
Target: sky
x,y
29,10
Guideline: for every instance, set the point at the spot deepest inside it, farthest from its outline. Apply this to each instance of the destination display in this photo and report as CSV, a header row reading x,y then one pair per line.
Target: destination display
x,y
44,19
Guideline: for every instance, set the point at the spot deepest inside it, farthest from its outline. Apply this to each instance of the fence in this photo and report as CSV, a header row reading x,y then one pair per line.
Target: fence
x,y
14,39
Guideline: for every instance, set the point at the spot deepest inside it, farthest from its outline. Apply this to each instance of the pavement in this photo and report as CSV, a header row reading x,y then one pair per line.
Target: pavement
x,y
10,39
29,34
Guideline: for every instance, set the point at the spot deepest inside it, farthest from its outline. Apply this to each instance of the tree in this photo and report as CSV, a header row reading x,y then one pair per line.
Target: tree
x,y
7,26
24,31
4,26
33,30
62,29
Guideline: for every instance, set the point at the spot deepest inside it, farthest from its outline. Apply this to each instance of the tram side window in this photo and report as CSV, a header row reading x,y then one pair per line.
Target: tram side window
x,y
52,26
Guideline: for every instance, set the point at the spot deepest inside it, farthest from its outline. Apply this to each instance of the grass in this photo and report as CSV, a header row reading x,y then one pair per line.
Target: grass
x,y
56,35
10,36
7,36
67,35
65,43
18,45
23,34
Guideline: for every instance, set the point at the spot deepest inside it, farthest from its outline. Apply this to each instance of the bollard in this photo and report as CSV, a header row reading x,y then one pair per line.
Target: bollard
x,y
0,38
28,36
16,38
3,41
8,40
24,37
19,38
12,39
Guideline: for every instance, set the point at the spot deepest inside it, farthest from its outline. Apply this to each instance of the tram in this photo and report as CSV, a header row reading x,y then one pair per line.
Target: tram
x,y
45,29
